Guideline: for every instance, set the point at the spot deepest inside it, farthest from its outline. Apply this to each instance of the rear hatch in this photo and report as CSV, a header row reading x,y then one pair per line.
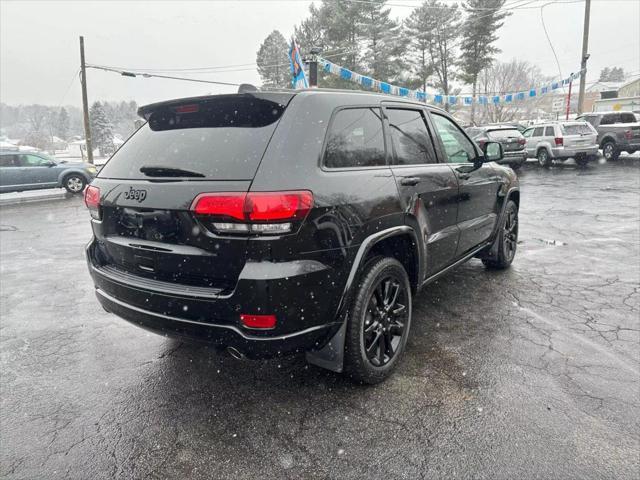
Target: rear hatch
x,y
510,138
578,135
147,189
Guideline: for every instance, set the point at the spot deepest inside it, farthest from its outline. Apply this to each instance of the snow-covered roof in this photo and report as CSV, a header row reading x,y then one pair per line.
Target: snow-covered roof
x,y
605,86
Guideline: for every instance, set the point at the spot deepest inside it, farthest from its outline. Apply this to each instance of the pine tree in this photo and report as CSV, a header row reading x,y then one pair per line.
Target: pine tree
x,y
101,129
383,58
273,61
62,124
435,28
417,28
605,73
617,74
484,19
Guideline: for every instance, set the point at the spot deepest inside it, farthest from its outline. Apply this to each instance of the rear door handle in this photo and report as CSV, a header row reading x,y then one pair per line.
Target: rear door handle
x,y
409,181
463,176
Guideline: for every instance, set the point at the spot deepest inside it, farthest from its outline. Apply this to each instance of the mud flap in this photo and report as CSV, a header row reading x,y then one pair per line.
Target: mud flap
x,y
331,356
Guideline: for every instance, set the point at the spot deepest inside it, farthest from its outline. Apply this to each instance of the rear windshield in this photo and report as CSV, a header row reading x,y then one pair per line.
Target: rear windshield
x,y
223,140
577,129
504,133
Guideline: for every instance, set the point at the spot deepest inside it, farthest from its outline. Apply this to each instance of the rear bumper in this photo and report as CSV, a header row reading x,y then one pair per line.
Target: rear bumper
x,y
574,152
296,293
252,346
634,146
513,158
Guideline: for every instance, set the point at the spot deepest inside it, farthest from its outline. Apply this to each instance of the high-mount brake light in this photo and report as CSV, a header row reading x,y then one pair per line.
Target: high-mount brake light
x,y
92,201
191,108
263,213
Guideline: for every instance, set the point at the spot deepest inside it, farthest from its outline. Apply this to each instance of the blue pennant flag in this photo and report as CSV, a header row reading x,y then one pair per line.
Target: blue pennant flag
x,y
299,79
532,92
345,74
385,87
482,100
452,100
520,96
438,98
366,82
496,99
468,100
508,97
555,86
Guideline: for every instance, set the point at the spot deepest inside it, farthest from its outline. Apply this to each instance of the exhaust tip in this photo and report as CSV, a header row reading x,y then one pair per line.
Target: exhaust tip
x,y
235,353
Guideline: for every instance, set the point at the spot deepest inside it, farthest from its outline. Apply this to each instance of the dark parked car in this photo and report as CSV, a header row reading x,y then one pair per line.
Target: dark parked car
x,y
274,222
34,170
510,137
617,132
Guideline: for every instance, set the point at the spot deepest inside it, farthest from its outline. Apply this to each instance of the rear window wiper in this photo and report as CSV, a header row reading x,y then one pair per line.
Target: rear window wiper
x,y
152,171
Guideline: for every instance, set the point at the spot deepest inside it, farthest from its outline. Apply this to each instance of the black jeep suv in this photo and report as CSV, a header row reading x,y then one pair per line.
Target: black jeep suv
x,y
274,222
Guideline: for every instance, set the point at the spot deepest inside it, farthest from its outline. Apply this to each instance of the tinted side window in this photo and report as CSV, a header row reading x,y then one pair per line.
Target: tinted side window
x,y
549,132
627,118
9,161
610,119
457,146
593,120
538,131
355,139
411,140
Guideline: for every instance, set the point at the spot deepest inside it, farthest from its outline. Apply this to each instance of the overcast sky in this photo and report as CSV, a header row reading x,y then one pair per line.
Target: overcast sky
x,y
39,56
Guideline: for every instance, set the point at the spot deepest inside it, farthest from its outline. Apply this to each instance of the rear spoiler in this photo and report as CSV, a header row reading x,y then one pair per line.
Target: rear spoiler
x,y
280,98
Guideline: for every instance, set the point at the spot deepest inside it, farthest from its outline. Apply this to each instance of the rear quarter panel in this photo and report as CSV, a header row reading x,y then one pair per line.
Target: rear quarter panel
x,y
349,204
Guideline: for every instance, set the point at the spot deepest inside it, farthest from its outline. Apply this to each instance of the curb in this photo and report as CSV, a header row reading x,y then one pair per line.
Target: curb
x,y
35,198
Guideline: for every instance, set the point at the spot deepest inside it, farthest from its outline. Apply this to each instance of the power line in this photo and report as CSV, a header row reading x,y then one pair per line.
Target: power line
x,y
125,73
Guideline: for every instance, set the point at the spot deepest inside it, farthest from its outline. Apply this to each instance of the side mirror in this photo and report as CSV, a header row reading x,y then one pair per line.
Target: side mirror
x,y
51,164
492,151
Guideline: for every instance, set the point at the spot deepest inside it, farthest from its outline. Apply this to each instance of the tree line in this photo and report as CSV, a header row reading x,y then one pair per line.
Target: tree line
x,y
37,125
437,44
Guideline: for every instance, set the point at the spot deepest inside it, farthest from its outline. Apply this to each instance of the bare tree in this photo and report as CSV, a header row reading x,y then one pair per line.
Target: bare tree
x,y
504,78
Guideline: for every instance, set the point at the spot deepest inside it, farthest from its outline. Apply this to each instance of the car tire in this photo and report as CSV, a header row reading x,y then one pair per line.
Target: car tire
x,y
74,183
507,240
378,322
609,151
544,160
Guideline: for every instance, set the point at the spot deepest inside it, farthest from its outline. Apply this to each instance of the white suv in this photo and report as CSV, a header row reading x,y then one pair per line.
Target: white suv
x,y
561,141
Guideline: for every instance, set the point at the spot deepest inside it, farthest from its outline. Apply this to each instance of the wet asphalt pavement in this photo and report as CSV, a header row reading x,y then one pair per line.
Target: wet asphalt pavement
x,y
528,373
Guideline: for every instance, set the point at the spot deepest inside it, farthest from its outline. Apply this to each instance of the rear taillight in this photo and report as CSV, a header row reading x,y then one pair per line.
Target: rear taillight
x,y
522,141
264,322
268,213
628,134
92,201
559,141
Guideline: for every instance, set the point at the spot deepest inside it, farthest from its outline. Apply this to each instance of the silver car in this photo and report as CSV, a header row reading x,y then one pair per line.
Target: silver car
x,y
35,170
561,141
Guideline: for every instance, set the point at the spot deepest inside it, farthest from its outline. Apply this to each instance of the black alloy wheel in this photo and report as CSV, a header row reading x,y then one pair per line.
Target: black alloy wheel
x,y
510,234
507,240
378,321
385,321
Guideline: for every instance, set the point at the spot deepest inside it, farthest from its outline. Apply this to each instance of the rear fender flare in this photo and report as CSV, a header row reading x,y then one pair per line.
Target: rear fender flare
x,y
331,354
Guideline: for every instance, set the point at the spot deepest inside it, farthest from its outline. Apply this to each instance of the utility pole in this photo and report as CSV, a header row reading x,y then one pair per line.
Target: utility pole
x,y
569,100
85,102
313,67
585,55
